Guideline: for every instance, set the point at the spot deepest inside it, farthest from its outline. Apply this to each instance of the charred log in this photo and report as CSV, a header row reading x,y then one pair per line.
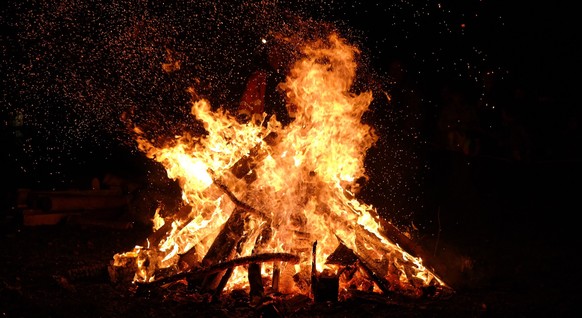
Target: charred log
x,y
342,256
201,273
257,291
276,277
223,247
371,268
227,274
326,288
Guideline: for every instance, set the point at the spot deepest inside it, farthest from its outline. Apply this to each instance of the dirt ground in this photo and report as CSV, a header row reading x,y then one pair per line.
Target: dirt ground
x,y
506,241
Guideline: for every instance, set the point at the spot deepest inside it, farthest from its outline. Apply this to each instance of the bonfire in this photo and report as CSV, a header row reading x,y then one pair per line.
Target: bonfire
x,y
268,207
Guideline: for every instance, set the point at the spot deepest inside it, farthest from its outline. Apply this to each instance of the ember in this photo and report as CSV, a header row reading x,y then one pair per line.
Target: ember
x,y
267,204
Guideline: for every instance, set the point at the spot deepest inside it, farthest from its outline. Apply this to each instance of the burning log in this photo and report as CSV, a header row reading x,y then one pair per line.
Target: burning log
x,y
324,287
159,234
223,246
388,240
257,291
392,233
276,276
227,274
232,234
203,272
246,164
345,257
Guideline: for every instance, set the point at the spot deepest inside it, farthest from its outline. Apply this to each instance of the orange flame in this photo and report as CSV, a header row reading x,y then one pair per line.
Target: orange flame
x,y
300,184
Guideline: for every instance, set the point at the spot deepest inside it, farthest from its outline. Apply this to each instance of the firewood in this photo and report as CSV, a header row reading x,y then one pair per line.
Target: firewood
x,y
326,288
223,280
231,233
244,165
394,235
348,256
227,274
367,246
240,204
223,246
313,268
276,277
380,281
258,258
366,255
155,238
257,290
342,256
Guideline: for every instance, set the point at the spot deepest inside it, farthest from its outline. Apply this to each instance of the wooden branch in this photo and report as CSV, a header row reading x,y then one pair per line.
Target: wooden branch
x,y
258,258
222,283
239,171
392,233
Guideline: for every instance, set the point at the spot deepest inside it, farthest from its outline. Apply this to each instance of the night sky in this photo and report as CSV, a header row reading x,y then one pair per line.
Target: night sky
x,y
76,74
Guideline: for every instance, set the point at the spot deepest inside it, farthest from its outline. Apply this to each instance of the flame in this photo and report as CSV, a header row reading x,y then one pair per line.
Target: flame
x,y
297,184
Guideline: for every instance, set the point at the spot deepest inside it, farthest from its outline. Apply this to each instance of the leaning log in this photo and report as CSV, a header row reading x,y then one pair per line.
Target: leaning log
x,y
223,247
392,233
183,215
240,169
227,274
375,255
257,291
376,271
365,239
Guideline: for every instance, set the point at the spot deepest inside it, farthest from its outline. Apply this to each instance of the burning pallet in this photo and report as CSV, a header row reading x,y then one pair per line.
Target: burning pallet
x,y
272,209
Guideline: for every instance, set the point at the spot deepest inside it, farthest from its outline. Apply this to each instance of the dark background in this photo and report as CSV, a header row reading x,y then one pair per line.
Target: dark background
x,y
77,75
499,204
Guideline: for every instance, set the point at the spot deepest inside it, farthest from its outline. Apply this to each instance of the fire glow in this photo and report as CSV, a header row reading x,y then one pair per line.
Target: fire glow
x,y
250,189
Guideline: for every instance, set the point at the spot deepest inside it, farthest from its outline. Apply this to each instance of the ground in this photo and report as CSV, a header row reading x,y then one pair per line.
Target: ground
x,y
506,239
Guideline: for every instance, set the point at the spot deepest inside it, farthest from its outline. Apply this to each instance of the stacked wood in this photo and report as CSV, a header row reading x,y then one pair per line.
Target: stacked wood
x,y
368,251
